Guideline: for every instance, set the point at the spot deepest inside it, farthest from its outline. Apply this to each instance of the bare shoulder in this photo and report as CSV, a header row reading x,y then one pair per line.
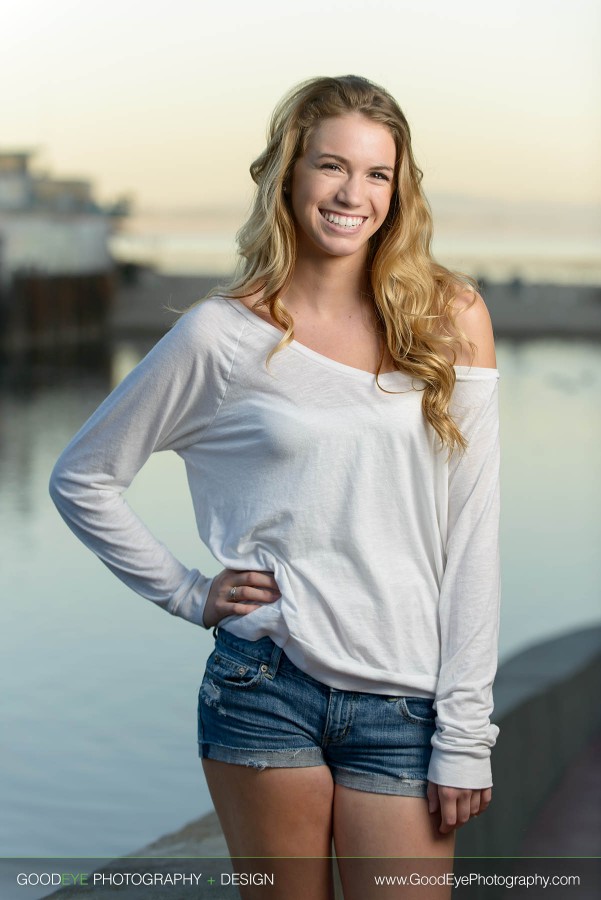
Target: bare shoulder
x,y
251,300
473,318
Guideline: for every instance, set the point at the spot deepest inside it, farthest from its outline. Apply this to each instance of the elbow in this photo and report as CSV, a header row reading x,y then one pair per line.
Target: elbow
x,y
55,486
58,485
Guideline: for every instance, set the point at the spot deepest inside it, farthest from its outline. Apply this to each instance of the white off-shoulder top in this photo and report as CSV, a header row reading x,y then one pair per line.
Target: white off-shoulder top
x,y
386,555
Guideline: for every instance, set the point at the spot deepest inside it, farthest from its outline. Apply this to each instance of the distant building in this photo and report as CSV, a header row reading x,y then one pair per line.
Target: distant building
x,y
53,243
48,226
16,184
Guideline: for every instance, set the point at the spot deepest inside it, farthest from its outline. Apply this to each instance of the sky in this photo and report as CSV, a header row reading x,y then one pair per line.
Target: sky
x,y
169,101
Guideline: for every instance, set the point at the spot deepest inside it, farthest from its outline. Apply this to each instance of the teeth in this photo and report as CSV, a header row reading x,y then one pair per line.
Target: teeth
x,y
344,221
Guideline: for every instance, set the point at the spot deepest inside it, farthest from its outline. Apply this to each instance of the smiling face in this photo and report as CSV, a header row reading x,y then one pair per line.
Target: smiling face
x,y
342,186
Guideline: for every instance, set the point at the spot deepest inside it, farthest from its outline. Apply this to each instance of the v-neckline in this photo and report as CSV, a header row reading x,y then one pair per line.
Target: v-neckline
x,y
462,372
308,351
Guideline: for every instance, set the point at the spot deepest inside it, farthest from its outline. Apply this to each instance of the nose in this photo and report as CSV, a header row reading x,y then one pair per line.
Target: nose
x,y
351,191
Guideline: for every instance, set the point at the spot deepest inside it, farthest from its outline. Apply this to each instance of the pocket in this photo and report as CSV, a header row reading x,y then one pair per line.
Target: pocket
x,y
241,672
418,709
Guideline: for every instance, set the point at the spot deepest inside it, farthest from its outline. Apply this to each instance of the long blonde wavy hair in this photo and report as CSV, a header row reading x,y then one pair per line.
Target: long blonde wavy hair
x,y
412,294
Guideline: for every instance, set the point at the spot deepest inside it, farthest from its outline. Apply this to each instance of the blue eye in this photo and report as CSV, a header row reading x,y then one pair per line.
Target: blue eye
x,y
330,166
381,175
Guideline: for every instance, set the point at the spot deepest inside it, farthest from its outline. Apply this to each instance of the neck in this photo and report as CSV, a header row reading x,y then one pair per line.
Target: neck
x,y
327,286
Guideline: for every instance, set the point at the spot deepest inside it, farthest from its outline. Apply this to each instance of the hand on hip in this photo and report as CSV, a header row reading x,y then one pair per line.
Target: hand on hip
x,y
235,593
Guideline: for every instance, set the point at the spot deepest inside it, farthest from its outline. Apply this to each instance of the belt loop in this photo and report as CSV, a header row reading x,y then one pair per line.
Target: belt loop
x,y
274,662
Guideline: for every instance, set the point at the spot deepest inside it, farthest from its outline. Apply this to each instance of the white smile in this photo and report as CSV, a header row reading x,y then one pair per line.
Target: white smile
x,y
343,221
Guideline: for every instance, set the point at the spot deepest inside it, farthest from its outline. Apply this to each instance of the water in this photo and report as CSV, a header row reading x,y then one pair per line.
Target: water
x,y
539,243
100,686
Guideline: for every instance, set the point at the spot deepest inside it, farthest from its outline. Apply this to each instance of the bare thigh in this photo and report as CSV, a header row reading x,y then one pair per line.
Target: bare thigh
x,y
381,825
277,813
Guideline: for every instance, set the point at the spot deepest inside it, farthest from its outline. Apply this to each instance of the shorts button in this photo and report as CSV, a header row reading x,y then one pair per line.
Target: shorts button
x,y
264,668
241,670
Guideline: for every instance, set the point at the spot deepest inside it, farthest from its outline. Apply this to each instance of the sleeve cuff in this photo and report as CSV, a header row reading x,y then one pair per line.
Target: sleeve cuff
x,y
460,770
190,599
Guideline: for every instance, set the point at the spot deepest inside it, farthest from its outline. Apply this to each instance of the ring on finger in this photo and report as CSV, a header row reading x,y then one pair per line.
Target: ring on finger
x,y
232,593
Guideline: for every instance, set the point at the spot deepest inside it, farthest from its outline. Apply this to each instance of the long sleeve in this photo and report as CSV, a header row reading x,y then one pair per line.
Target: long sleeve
x,y
470,591
166,402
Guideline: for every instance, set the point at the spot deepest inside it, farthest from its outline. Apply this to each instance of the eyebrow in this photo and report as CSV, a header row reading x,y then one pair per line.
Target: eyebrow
x,y
345,161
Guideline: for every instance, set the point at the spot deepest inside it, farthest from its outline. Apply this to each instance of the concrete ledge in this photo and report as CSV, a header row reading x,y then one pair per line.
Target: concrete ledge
x,y
547,707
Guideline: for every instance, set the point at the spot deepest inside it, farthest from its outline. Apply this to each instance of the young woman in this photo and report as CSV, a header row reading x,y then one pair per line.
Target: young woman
x,y
336,406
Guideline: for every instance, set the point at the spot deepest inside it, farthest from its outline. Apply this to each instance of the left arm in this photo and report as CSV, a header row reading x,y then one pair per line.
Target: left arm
x,y
459,773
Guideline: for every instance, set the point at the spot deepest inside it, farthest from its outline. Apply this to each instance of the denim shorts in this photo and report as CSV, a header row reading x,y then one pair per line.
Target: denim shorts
x,y
257,709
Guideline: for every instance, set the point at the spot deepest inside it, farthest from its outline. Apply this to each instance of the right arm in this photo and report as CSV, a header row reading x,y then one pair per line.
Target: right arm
x,y
166,402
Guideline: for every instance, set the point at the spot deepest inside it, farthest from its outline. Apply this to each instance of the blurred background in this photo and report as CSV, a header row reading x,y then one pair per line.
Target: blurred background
x,y
127,130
